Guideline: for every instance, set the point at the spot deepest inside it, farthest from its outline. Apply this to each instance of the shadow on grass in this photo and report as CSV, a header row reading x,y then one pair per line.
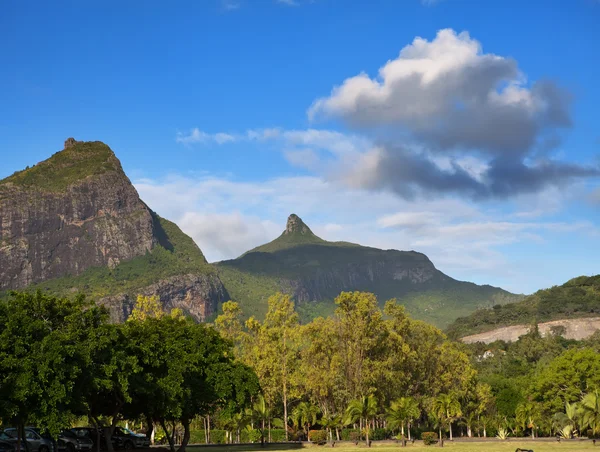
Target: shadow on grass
x,y
242,447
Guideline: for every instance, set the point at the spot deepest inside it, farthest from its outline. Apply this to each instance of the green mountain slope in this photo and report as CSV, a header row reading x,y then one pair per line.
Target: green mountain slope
x,y
579,297
315,271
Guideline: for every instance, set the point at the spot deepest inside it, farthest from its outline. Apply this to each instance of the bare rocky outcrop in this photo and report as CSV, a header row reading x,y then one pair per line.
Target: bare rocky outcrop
x,y
578,329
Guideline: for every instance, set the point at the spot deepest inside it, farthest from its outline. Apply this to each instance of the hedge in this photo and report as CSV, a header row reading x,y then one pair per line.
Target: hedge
x,y
219,436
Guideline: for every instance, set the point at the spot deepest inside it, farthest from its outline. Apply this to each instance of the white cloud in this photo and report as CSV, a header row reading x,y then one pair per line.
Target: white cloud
x,y
226,235
449,94
198,136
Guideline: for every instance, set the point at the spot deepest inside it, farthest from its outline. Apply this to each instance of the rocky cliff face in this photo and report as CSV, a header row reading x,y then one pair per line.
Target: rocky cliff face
x,y
77,211
365,273
197,295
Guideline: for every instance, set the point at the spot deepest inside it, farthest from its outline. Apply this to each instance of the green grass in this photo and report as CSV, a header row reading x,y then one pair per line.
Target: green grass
x,y
66,167
176,255
579,297
457,446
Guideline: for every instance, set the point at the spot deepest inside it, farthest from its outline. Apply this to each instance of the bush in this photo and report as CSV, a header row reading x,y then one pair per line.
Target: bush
x,y
354,436
429,438
317,436
379,434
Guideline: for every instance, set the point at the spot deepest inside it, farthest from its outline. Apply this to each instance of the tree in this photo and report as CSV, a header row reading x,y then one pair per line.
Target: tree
x,y
187,370
590,411
146,308
527,416
45,345
260,415
446,408
363,410
361,341
403,412
281,327
568,419
305,414
565,378
229,325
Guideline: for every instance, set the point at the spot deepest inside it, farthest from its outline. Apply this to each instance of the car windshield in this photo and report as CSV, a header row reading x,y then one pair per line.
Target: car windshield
x,y
69,433
5,436
10,433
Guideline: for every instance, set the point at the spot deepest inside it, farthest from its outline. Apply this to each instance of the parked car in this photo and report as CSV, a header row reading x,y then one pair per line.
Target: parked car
x,y
7,443
69,441
90,434
36,441
124,438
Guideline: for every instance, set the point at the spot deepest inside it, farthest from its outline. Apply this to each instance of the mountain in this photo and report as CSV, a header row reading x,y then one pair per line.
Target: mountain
x,y
75,223
314,271
573,306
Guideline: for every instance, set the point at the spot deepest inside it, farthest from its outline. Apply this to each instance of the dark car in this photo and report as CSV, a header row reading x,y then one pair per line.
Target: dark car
x,y
123,438
70,441
36,441
7,443
90,434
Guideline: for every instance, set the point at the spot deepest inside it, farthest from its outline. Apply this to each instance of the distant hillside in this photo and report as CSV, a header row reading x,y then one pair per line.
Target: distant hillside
x,y
315,271
579,297
75,223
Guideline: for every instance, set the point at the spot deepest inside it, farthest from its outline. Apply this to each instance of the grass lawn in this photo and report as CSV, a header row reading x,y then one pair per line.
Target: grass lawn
x,y
471,446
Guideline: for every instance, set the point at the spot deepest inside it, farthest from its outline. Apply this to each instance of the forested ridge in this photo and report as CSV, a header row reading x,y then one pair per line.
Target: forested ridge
x,y
578,297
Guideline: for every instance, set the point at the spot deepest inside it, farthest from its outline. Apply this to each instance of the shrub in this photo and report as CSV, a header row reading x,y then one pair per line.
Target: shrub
x,y
250,436
379,434
429,438
318,436
354,436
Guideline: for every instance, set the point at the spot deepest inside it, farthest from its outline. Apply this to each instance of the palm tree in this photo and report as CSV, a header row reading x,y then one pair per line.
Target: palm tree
x,y
403,412
447,409
331,423
305,414
590,411
362,409
527,415
567,421
260,414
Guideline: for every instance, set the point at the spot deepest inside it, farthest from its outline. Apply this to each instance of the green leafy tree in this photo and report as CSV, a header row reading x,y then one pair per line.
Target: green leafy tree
x,y
363,410
305,414
527,416
45,344
568,419
590,411
403,412
446,408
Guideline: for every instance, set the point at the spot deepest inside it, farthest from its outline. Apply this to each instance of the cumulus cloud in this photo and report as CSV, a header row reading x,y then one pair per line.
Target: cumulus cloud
x,y
412,174
448,118
450,94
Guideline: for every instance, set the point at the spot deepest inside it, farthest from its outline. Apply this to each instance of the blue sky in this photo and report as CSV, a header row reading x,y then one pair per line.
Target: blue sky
x,y
467,130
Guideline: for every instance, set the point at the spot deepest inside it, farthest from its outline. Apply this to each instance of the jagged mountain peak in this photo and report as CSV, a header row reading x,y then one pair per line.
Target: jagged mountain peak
x,y
295,225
